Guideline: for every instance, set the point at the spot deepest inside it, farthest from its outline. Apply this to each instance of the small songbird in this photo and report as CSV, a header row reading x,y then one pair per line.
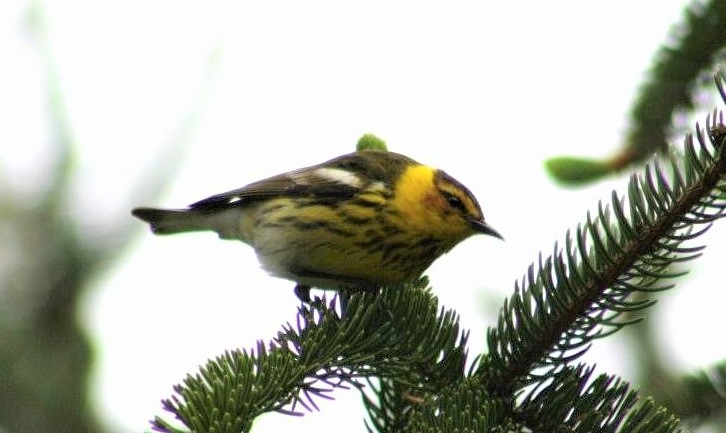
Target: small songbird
x,y
357,222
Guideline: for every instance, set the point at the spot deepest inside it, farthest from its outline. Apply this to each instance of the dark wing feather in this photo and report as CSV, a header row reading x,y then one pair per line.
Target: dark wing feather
x,y
369,165
274,186
299,183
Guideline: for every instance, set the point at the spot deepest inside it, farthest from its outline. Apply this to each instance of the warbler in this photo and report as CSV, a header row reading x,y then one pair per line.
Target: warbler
x,y
356,222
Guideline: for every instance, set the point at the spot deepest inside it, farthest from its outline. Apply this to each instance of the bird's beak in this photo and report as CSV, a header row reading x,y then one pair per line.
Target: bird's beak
x,y
482,227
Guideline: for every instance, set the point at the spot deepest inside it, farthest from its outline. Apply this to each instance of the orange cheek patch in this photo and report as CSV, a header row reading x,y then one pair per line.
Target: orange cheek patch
x,y
434,201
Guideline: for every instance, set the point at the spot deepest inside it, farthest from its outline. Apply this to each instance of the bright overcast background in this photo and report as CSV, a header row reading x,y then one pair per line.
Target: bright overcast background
x,y
235,91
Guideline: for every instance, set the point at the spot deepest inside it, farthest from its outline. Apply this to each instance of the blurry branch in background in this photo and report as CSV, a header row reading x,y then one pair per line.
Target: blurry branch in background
x,y
408,356
678,68
48,261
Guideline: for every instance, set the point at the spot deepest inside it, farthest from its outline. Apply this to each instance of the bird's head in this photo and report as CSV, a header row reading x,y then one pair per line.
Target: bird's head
x,y
434,203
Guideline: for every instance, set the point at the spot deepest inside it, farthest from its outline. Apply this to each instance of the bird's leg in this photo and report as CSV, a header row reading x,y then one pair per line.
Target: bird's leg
x,y
303,293
344,296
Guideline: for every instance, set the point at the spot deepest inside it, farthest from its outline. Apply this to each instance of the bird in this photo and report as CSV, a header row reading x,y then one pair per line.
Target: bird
x,y
358,222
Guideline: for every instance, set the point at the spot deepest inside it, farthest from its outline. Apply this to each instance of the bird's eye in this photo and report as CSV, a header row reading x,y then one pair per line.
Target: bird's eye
x,y
455,202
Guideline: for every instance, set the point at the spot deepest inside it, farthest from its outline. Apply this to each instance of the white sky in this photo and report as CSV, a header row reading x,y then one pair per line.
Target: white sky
x,y
485,90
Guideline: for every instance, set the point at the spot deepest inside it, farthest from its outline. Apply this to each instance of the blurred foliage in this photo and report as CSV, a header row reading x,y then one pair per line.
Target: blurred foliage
x,y
46,356
680,65
49,261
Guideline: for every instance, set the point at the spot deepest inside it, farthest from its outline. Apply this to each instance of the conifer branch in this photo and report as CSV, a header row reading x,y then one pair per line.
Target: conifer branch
x,y
463,407
581,291
320,353
574,402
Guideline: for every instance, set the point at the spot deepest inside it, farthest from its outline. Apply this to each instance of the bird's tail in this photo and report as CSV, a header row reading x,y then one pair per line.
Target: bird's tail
x,y
170,221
